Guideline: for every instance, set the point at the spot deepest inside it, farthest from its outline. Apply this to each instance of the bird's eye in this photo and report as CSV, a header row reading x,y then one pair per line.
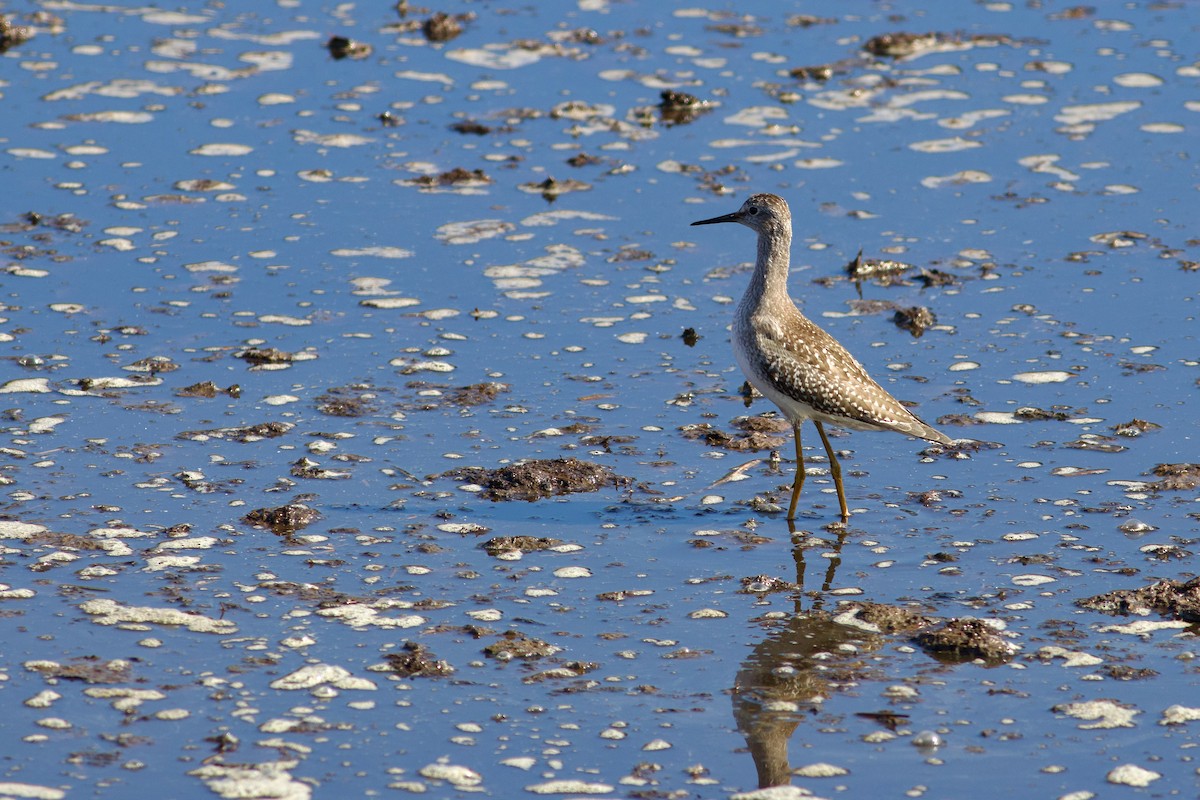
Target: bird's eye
x,y
753,211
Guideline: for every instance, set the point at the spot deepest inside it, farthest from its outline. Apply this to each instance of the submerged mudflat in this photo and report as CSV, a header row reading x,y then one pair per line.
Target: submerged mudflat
x,y
370,425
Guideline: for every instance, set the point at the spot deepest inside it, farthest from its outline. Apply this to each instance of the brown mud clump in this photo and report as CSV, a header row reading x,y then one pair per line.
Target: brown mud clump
x,y
243,433
540,478
1035,414
476,394
345,401
551,188
861,269
887,618
936,277
89,669
340,47
453,177
1176,477
283,519
513,644
471,127
1178,599
416,661
442,27
265,355
680,108
1135,427
519,544
910,45
819,73
208,389
757,433
915,320
966,639
12,35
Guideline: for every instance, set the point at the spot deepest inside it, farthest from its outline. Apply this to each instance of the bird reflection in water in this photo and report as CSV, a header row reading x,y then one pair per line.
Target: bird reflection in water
x,y
804,660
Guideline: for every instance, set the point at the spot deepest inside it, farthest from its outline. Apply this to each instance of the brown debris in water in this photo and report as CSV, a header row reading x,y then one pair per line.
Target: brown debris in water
x,y
90,669
743,538
326,596
514,644
1176,477
1074,12
740,29
224,743
761,423
932,498
523,544
966,639
310,469
243,434
862,306
283,519
766,584
341,47
886,719
758,433
66,541
1135,427
887,618
476,394
583,160
628,252
909,45
620,595
550,188
1176,599
936,277
571,669
679,108
152,365
458,175
1124,672
819,73
606,441
901,44
66,222
442,27
265,355
1034,414
12,35
866,268
808,20
539,478
437,395
1138,367
416,661
470,126
915,320
1096,443
346,401
209,389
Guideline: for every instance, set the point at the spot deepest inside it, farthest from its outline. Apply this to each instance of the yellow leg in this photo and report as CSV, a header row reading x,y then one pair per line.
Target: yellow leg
x,y
835,469
798,483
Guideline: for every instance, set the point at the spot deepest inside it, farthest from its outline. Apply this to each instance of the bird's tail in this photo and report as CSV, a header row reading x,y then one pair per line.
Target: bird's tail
x,y
917,427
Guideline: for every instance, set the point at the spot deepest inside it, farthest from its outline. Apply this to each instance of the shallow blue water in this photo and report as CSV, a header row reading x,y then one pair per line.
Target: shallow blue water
x,y
1072,249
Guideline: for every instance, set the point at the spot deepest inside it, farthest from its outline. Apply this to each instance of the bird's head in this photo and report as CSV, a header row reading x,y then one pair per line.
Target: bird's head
x,y
761,212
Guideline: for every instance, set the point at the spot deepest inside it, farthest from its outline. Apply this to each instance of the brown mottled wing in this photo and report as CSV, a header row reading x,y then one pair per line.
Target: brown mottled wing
x,y
803,361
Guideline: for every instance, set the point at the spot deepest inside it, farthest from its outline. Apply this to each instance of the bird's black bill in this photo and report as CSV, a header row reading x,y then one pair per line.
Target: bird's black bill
x,y
723,218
